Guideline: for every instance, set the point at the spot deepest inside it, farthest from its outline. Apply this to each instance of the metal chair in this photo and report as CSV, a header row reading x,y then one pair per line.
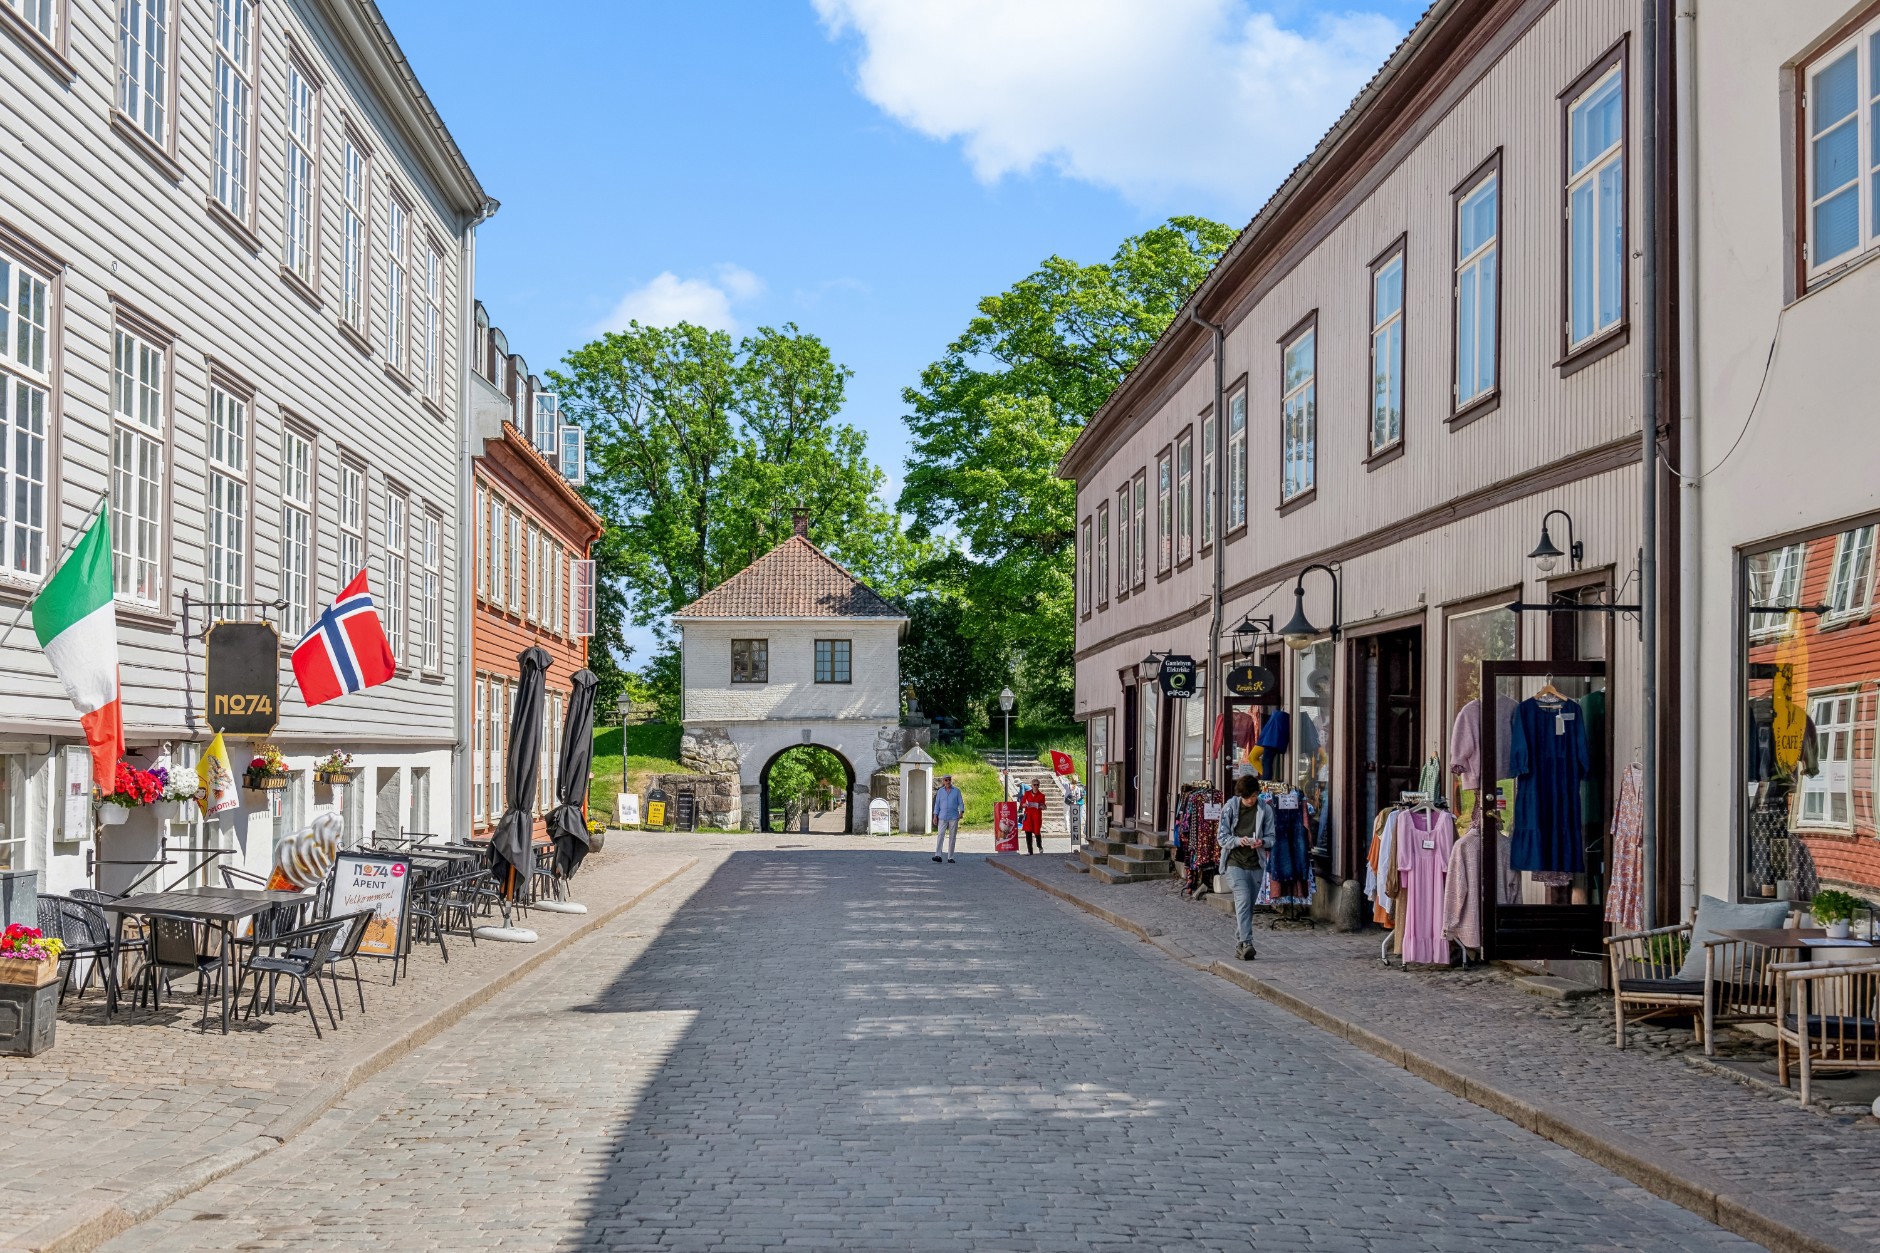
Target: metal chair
x,y
300,956
86,934
174,944
346,950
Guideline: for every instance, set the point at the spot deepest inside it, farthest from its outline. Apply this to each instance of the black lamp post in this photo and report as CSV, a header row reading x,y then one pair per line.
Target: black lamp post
x,y
1299,633
1547,556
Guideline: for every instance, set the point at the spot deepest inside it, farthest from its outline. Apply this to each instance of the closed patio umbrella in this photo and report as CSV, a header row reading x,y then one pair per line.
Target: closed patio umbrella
x,y
515,832
567,825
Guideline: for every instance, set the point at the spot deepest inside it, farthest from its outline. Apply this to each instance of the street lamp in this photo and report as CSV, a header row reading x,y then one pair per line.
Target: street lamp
x,y
1006,701
1546,556
1299,633
624,704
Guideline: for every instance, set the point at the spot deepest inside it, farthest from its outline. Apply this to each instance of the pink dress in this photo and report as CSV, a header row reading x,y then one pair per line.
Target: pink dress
x,y
1424,841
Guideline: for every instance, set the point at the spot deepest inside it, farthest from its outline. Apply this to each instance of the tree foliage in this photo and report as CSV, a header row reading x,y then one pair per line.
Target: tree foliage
x,y
995,414
806,779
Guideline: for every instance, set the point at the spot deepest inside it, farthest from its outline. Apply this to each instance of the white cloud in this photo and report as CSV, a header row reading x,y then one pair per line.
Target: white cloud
x,y
1155,98
667,299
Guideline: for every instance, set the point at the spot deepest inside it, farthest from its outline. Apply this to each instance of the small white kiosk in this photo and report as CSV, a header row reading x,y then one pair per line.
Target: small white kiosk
x,y
916,791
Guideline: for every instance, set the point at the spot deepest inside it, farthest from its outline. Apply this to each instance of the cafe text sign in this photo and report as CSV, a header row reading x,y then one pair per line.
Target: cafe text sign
x,y
242,678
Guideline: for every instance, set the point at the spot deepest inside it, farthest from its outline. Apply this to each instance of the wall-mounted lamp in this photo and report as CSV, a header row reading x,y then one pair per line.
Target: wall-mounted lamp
x,y
1151,665
1547,556
1299,632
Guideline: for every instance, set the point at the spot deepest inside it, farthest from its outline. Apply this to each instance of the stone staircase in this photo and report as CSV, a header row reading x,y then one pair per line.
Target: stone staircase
x,y
1127,856
1025,768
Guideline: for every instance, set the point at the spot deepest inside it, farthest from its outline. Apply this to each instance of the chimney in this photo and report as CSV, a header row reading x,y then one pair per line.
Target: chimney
x,y
800,519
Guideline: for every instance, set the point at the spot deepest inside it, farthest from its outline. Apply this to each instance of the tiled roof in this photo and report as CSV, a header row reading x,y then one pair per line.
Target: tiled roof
x,y
795,579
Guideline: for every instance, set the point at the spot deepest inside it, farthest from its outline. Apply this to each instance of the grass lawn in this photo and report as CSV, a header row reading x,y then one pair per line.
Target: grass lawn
x,y
653,749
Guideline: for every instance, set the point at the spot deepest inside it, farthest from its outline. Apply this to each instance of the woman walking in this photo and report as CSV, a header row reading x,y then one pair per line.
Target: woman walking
x,y
1031,818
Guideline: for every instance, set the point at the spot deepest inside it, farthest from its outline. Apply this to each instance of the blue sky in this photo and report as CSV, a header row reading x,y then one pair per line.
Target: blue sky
x,y
865,168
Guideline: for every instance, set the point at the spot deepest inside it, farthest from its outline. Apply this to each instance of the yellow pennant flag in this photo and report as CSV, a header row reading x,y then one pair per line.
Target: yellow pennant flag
x,y
217,778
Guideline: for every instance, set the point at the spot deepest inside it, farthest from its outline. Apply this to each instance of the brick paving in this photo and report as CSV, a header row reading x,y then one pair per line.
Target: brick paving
x,y
832,1043
133,1103
1815,1166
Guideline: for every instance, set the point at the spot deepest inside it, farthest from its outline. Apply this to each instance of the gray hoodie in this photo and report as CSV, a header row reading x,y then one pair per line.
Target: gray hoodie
x,y
1262,828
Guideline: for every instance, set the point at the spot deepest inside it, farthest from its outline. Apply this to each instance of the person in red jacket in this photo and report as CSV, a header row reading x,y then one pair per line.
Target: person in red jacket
x,y
1031,818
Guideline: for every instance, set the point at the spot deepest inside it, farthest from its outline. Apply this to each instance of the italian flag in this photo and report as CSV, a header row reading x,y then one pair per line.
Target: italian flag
x,y
77,627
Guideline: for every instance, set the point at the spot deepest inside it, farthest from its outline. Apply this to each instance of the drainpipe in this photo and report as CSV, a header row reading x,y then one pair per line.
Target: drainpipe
x,y
1690,583
466,524
1216,769
1648,466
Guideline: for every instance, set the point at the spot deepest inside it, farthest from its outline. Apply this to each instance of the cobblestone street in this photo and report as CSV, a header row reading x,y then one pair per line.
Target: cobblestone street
x,y
831,1043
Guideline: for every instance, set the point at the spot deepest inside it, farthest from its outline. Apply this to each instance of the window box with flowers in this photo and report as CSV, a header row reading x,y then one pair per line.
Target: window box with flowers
x,y
268,771
28,957
336,769
29,990
131,789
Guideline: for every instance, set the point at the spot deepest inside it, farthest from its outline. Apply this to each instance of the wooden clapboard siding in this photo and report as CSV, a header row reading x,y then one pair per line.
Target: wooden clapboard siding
x,y
75,188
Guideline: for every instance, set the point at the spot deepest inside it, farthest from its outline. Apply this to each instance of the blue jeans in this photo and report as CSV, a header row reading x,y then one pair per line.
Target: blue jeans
x,y
1246,886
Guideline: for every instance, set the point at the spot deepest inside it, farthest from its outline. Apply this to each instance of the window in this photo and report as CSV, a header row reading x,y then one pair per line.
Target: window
x,y
1122,541
534,609
144,65
352,521
430,326
499,746
1237,460
832,661
1842,156
1298,414
302,233
1775,582
353,236
234,102
1185,499
296,530
1164,511
574,455
499,563
581,582
547,423
479,750
1086,567
1478,285
1828,792
430,600
25,398
481,555
226,560
512,565
42,16
397,266
750,661
1103,553
1139,546
138,432
1387,351
558,613
1208,486
1850,588
397,537
1595,221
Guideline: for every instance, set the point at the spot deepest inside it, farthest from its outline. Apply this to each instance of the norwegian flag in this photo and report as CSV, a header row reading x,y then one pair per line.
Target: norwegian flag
x,y
345,650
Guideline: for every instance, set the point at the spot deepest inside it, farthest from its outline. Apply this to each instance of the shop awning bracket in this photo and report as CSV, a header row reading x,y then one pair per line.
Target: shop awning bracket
x,y
209,616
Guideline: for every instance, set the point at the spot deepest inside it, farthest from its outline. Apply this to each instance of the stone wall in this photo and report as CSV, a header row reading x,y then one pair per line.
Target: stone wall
x,y
719,801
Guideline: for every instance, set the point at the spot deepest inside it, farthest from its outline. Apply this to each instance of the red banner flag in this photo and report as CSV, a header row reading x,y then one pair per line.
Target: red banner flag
x,y
1062,762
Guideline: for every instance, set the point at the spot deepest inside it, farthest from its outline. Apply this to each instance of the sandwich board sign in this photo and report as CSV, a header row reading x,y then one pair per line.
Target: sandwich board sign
x,y
379,883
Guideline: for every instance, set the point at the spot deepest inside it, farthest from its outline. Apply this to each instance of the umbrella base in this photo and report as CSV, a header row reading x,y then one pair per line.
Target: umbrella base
x,y
510,935
561,907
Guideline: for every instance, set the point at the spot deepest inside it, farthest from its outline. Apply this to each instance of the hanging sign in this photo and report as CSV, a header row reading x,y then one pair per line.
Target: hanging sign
x,y
1178,676
241,665
375,882
1250,682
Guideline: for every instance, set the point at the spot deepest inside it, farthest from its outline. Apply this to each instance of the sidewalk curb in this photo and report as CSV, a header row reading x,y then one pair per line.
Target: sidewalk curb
x,y
99,1214
1769,1225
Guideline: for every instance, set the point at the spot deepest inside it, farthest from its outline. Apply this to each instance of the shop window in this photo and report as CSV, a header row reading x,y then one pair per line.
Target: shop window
x,y
1150,705
1193,770
1850,589
1828,793
1775,582
1312,732
22,808
1491,633
750,661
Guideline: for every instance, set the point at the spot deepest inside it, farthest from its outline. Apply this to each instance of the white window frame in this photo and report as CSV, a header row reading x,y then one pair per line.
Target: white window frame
x,y
499,555
581,579
513,563
42,16
226,531
297,533
1387,350
397,280
430,326
1086,567
574,455
1237,460
234,89
139,448
1850,578
1478,310
1165,511
1123,558
355,237
397,570
1298,412
480,555
533,610
1818,129
1606,230
300,194
1208,484
1836,718
1103,554
1184,499
352,520
27,355
1139,543
145,48
479,750
430,592
1775,578
546,423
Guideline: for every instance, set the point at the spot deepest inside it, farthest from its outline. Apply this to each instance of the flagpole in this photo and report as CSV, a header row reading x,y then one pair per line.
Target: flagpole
x,y
65,550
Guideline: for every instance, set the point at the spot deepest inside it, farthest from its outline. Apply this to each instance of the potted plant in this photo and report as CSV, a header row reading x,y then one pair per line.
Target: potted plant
x,y
335,768
28,956
29,990
1834,909
597,834
180,789
131,789
268,771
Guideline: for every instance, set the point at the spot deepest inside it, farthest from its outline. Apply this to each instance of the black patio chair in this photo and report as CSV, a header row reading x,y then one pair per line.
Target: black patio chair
x,y
86,933
173,944
346,949
300,957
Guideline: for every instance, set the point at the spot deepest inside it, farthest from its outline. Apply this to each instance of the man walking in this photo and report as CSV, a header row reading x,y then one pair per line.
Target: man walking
x,y
948,805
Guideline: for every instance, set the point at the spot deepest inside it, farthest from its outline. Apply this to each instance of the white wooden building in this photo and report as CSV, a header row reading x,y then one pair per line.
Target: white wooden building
x,y
237,243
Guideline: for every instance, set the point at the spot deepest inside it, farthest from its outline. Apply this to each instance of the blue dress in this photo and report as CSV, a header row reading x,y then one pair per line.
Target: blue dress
x,y
1547,756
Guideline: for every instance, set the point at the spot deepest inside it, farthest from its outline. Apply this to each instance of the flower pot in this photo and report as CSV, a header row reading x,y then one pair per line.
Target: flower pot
x,y
336,778
113,815
31,974
266,782
1838,929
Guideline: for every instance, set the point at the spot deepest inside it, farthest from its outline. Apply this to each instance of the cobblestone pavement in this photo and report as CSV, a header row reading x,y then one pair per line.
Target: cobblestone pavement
x,y
127,1104
845,1046
1818,1167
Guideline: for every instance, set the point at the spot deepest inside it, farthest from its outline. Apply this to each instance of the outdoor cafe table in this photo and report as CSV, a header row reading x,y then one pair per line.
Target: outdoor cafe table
x,y
221,908
1803,939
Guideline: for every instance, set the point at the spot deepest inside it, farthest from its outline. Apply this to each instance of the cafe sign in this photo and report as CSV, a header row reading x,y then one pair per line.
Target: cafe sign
x,y
242,678
1247,681
1178,676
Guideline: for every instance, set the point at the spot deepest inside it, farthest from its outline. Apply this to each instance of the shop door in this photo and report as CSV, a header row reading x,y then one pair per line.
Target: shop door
x,y
1387,701
1131,738
1549,808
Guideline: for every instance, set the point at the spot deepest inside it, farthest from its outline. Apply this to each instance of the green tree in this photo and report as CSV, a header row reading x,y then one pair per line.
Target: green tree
x,y
992,418
807,779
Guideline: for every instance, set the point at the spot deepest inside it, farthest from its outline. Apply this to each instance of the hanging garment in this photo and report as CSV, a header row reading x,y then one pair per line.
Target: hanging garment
x,y
1425,838
1431,779
1377,873
1625,900
1291,855
1273,893
1547,756
1246,730
1201,851
1465,742
1276,735
1462,891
